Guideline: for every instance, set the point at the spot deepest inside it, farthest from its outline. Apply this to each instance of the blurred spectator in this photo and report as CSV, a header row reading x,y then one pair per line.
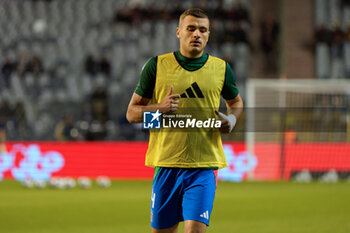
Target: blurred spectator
x,y
34,66
97,131
337,32
19,114
230,28
323,35
105,66
203,4
240,35
269,43
99,105
218,13
5,110
337,48
240,13
5,115
229,14
164,14
21,64
8,67
91,66
347,34
65,130
136,13
176,11
85,114
129,15
218,32
337,45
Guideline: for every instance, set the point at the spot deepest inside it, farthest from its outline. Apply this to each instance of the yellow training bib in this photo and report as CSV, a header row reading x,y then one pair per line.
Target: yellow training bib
x,y
200,92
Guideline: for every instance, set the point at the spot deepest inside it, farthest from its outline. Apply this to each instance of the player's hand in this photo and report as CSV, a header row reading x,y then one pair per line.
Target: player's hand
x,y
227,122
171,102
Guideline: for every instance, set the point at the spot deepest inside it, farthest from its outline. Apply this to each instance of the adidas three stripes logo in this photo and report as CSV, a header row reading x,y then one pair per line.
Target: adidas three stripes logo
x,y
205,215
192,91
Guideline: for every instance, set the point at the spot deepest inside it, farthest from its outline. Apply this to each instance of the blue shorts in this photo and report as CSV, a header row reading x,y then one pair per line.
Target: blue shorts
x,y
180,194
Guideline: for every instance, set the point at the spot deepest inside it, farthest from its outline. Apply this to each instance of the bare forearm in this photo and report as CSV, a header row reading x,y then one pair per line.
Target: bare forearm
x,y
134,113
139,104
235,107
234,110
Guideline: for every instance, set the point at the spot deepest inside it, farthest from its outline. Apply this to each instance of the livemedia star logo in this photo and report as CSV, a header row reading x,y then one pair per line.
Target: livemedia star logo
x,y
154,120
151,120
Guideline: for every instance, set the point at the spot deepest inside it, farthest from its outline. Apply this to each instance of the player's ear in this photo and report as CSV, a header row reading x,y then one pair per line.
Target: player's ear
x,y
178,32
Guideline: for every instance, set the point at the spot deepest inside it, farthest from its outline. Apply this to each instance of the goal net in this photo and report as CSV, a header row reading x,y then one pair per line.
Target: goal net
x,y
298,126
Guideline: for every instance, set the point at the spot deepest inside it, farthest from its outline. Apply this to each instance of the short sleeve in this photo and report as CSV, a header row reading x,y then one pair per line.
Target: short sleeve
x,y
229,90
147,80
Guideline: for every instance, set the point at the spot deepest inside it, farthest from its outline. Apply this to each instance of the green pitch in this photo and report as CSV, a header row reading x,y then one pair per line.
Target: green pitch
x,y
241,208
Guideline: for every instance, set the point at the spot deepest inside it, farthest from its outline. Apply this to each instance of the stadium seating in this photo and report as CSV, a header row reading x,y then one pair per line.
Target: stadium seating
x,y
331,13
63,32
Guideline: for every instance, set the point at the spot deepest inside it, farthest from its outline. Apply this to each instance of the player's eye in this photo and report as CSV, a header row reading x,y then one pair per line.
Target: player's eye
x,y
203,29
191,29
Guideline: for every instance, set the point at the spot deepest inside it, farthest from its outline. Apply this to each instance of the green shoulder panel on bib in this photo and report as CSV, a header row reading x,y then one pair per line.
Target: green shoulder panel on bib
x,y
147,80
229,90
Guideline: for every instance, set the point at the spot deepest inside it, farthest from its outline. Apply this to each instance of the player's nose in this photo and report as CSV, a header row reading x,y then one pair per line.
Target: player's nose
x,y
196,34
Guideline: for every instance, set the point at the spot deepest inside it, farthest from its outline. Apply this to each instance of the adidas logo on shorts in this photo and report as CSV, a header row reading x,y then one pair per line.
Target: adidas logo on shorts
x,y
205,215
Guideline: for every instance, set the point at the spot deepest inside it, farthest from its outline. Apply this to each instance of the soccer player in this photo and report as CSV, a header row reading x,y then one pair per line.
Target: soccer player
x,y
185,162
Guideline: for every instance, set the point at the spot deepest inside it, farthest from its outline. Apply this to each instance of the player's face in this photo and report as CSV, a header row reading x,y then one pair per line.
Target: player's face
x,y
193,34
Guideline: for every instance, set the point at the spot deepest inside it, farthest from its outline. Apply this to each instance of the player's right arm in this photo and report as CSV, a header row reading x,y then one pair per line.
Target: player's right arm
x,y
143,94
139,104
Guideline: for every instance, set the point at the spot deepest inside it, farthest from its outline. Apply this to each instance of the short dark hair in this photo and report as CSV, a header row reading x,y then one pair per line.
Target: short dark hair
x,y
196,12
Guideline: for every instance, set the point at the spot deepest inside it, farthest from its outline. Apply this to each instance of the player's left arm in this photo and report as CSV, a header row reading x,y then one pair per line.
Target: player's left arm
x,y
234,111
233,100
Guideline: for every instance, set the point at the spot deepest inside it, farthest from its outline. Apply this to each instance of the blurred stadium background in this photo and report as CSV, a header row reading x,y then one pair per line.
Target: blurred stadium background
x,y
69,68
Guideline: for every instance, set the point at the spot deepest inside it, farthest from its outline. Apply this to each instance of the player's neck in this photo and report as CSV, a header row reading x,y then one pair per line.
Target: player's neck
x,y
190,55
